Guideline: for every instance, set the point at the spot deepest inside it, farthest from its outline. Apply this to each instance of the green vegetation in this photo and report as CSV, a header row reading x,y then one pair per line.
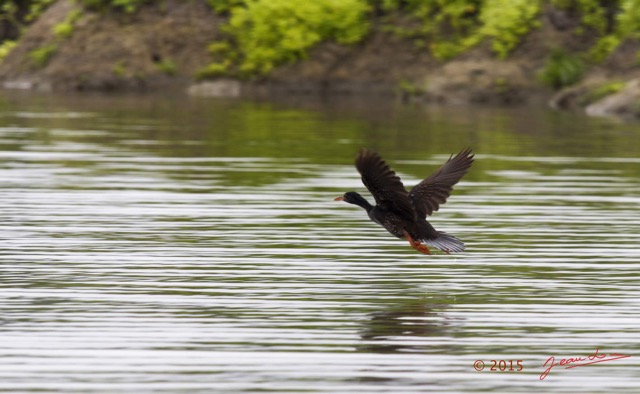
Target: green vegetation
x,y
213,70
260,35
219,50
128,6
5,48
562,69
17,13
453,27
166,66
601,92
119,69
593,13
612,21
64,29
266,33
409,88
627,26
14,16
41,56
263,34
445,25
504,22
223,6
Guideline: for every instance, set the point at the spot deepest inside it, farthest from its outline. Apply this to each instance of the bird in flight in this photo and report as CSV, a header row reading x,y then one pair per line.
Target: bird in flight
x,y
402,213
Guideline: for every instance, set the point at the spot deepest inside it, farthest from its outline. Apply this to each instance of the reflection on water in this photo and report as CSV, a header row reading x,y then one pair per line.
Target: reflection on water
x,y
401,328
175,245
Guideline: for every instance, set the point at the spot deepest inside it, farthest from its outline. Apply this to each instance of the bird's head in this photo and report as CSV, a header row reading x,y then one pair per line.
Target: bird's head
x,y
354,198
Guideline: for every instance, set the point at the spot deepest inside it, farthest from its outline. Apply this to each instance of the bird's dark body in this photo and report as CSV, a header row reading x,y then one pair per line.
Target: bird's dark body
x,y
396,225
403,213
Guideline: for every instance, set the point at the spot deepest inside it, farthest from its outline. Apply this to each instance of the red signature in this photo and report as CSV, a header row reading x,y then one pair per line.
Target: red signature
x,y
574,362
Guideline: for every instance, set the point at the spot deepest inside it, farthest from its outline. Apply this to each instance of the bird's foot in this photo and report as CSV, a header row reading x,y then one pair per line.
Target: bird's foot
x,y
422,248
417,245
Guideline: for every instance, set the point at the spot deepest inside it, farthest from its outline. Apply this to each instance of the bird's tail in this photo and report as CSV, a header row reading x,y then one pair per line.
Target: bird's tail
x,y
445,242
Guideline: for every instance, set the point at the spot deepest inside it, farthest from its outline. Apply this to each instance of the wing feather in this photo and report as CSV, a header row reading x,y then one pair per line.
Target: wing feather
x,y
428,195
383,184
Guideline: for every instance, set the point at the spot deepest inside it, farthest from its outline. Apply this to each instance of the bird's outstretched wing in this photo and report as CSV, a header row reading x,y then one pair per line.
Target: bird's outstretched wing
x,y
383,184
428,195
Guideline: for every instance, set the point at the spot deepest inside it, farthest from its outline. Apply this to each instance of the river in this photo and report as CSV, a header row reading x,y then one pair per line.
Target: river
x,y
177,245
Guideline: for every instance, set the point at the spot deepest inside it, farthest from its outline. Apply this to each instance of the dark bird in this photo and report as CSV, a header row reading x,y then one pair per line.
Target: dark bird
x,y
403,213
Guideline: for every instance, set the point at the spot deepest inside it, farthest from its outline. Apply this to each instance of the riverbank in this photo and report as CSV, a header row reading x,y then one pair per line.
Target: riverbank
x,y
168,46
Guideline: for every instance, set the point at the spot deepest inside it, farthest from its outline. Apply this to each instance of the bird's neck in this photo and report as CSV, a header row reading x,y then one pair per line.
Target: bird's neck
x,y
362,202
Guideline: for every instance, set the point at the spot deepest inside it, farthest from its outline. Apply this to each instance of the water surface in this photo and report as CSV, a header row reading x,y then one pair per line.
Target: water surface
x,y
181,245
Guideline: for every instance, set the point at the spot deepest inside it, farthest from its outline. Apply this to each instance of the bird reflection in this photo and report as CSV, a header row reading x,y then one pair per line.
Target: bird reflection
x,y
403,328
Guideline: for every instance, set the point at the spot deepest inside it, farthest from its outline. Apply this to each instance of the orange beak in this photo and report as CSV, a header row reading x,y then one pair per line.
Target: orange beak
x,y
339,198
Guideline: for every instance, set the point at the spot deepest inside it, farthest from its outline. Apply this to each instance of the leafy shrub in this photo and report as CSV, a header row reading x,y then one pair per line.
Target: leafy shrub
x,y
629,18
446,24
457,25
562,69
627,26
41,56
610,32
213,70
505,21
604,47
64,29
272,32
6,47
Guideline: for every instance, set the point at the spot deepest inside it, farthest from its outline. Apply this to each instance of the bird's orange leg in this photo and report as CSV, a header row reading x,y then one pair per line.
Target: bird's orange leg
x,y
422,248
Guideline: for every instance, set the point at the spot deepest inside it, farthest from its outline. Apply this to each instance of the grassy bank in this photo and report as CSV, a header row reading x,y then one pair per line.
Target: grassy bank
x,y
258,36
265,33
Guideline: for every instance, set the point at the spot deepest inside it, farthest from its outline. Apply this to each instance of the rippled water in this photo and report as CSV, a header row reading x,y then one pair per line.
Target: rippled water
x,y
159,245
